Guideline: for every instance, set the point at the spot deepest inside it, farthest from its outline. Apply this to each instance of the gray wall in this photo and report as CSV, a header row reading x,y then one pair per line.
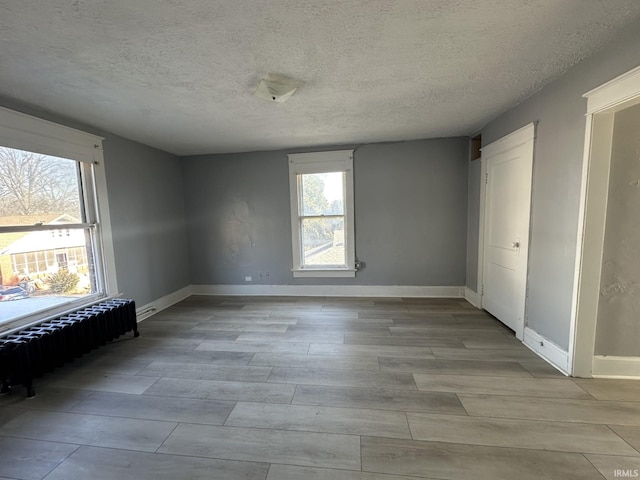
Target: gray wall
x,y
147,212
618,327
473,224
146,203
410,215
560,110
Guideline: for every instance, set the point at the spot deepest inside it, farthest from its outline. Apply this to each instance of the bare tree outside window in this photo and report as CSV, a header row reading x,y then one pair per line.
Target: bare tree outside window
x,y
31,183
43,261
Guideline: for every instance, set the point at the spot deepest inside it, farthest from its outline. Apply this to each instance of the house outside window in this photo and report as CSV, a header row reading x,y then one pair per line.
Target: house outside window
x,y
52,236
323,234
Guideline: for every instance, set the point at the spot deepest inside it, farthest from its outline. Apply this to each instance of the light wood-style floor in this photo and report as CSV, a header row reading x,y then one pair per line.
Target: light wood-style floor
x,y
319,389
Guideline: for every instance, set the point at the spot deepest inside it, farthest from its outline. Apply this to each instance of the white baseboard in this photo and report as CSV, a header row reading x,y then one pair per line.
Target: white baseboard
x,y
472,297
330,290
548,350
161,303
151,308
606,366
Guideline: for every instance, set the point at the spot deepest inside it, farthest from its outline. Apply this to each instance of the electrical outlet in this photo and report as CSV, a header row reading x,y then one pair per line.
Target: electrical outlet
x,y
247,279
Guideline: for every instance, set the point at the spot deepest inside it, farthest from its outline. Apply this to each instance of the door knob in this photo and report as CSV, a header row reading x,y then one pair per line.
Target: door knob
x,y
515,244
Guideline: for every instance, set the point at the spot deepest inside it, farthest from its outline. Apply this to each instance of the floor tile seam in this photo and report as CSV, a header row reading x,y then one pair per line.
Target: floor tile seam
x,y
27,400
595,402
531,375
312,355
609,426
109,416
206,379
580,452
437,372
227,459
594,467
61,462
539,397
167,437
96,391
637,402
156,381
371,369
43,409
406,418
74,444
244,341
370,356
407,389
142,418
212,380
381,410
376,389
424,356
90,368
218,366
298,430
167,454
329,370
547,420
182,397
462,405
445,358
433,411
500,447
3,435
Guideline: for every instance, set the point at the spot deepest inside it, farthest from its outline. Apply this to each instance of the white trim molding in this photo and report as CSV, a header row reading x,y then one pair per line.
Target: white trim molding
x,y
606,366
613,93
300,164
25,132
602,104
549,351
512,140
161,303
331,290
472,297
33,134
319,272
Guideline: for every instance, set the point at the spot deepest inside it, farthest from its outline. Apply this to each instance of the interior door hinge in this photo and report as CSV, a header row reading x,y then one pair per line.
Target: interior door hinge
x,y
486,178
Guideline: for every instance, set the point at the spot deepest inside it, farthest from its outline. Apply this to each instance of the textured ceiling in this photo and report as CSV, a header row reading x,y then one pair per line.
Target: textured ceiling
x,y
179,74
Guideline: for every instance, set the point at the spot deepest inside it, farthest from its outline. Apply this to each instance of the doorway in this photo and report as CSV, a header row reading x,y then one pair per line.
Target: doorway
x,y
606,105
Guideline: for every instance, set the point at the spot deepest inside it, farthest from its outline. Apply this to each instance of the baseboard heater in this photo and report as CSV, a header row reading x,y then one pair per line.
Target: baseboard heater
x,y
31,352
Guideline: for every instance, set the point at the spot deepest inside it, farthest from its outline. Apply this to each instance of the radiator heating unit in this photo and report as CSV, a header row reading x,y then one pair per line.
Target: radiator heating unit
x,y
29,353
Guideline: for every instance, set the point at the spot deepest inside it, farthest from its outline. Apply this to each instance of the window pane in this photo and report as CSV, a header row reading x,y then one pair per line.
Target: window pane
x,y
43,269
323,241
323,193
37,188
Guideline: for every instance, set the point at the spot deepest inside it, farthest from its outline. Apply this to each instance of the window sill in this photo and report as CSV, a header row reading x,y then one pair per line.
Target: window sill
x,y
36,317
324,273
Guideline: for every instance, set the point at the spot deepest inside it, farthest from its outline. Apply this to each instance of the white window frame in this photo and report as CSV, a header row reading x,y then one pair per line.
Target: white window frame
x,y
25,132
322,162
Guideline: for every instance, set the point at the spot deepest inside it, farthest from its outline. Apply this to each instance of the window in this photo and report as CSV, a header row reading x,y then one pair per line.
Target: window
x,y
321,188
53,254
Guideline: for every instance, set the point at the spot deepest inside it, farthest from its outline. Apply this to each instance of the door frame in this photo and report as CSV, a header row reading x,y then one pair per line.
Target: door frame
x,y
507,142
602,103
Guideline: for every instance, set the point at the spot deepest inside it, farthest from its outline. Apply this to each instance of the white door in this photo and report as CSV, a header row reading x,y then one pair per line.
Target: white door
x,y
508,169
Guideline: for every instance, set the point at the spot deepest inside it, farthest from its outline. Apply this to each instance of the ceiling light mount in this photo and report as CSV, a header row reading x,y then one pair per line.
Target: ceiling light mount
x,y
275,90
